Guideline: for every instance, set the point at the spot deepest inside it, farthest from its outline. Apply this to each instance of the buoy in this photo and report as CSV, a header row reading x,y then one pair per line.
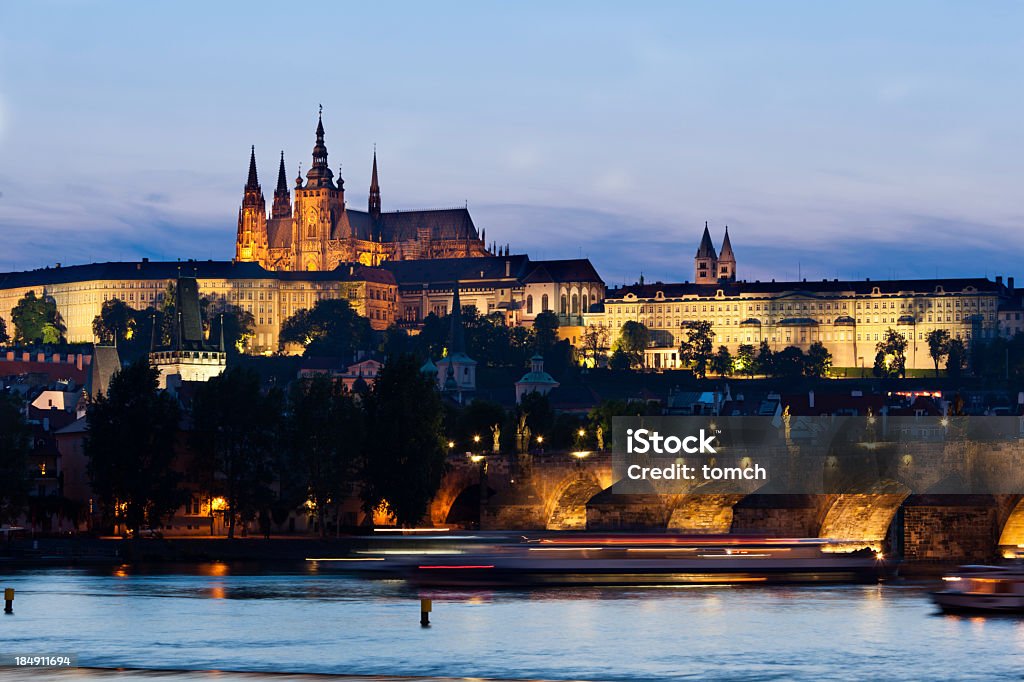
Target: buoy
x,y
9,600
425,608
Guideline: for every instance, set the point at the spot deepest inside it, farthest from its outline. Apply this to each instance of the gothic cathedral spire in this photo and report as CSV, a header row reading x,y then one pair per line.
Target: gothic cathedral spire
x,y
251,244
282,199
320,174
727,260
374,204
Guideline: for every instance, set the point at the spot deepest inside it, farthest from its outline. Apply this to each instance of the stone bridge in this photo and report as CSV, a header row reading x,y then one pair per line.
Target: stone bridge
x,y
561,492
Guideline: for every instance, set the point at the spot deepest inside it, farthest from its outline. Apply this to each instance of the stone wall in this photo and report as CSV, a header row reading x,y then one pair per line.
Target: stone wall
x,y
961,532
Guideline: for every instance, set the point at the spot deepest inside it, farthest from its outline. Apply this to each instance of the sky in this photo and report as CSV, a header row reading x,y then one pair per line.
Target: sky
x,y
849,140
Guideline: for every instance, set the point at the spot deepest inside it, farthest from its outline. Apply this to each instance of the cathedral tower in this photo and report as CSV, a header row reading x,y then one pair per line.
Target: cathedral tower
x,y
319,216
726,260
705,263
251,244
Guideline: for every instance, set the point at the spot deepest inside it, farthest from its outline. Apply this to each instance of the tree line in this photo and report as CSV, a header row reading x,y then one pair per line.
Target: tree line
x,y
266,452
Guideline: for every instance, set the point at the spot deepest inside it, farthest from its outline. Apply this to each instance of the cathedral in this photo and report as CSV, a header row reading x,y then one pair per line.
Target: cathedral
x,y
319,231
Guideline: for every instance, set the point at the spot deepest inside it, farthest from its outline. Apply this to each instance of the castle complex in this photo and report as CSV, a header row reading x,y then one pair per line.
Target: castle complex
x,y
848,317
319,230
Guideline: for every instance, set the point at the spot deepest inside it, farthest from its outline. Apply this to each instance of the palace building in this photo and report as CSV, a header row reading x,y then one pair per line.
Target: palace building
x,y
271,296
319,230
848,317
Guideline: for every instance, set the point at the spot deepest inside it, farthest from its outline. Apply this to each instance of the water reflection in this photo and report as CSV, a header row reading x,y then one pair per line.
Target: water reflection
x,y
254,617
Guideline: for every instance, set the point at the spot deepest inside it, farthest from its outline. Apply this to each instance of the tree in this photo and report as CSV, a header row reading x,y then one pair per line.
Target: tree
x,y
36,320
15,441
115,323
620,360
477,419
817,361
239,327
235,429
890,355
789,362
326,431
746,359
765,360
130,446
956,356
634,338
721,362
4,336
595,342
331,328
938,346
545,329
696,348
536,413
405,450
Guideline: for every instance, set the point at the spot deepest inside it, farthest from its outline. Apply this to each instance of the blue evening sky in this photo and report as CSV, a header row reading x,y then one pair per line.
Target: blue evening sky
x,y
835,139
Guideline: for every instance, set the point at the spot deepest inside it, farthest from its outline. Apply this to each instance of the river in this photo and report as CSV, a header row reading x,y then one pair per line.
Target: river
x,y
309,619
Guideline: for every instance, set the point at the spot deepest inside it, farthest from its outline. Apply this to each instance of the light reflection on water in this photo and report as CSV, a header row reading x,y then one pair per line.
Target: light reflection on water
x,y
305,620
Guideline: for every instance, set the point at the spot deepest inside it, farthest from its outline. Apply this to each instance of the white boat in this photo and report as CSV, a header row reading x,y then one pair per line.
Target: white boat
x,y
992,589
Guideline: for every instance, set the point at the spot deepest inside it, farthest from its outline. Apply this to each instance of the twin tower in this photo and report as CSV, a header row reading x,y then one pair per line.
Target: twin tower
x,y
712,268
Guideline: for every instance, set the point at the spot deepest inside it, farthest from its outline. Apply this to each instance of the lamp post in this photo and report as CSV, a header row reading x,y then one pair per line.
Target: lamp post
x,y
540,444
482,481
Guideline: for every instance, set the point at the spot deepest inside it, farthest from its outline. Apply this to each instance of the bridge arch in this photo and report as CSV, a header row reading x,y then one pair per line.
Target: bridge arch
x,y
567,509
456,481
864,518
1012,533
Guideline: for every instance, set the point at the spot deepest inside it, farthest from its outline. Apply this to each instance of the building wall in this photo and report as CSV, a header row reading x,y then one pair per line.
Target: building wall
x,y
270,300
851,345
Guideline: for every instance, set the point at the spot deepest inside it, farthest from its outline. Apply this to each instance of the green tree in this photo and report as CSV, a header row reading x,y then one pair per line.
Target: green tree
x,y
331,328
746,359
765,360
890,355
938,346
956,357
326,433
115,323
696,349
130,447
721,362
15,442
239,327
817,361
36,320
595,342
634,338
789,362
620,360
405,450
235,433
4,336
545,330
535,412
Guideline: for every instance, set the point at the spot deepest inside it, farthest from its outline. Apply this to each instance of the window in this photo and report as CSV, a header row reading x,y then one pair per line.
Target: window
x,y
529,305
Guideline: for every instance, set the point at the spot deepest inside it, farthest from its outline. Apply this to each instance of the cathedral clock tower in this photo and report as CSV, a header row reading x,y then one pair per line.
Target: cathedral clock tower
x,y
319,216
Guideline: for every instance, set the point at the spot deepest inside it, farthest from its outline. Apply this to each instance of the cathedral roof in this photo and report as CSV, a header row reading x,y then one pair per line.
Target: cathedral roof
x,y
279,233
444,223
727,254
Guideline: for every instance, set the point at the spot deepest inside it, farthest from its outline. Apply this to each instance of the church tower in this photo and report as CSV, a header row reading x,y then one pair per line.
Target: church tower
x,y
374,204
251,244
705,263
726,260
319,215
282,198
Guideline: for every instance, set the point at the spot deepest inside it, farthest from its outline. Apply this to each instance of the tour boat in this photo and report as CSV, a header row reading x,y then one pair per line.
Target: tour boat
x,y
648,560
993,589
